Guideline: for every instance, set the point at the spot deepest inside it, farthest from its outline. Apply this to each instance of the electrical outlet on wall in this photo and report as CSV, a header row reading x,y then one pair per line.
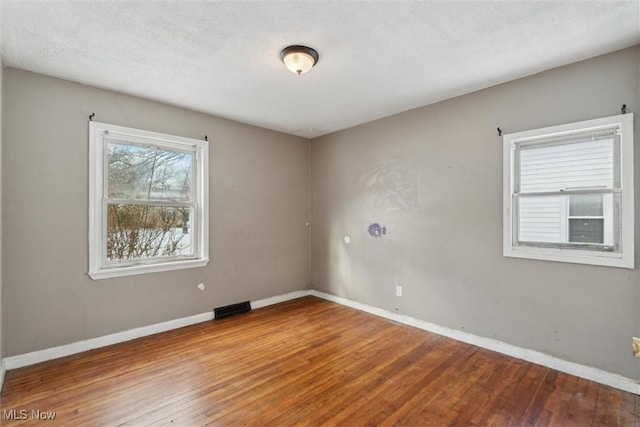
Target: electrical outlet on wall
x,y
398,290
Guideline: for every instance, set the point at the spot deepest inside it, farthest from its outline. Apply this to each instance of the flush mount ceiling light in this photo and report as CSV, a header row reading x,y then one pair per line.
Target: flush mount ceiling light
x,y
299,59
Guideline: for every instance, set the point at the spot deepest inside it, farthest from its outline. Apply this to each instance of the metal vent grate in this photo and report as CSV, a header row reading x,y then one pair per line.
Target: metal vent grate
x,y
230,310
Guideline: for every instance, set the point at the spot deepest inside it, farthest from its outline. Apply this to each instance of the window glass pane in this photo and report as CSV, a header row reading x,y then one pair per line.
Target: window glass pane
x,y
585,205
567,166
148,173
142,231
586,230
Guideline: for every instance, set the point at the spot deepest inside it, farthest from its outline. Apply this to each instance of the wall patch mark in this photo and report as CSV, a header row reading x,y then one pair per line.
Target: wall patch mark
x,y
376,230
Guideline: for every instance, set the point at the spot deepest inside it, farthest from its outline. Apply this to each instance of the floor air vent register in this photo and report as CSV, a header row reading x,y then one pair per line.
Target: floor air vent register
x,y
230,310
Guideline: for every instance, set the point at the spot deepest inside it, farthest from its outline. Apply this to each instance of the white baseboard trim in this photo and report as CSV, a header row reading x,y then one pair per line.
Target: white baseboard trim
x,y
279,298
582,371
2,370
21,360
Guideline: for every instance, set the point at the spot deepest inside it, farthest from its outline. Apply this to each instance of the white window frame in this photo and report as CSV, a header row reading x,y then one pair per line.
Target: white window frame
x,y
98,134
624,256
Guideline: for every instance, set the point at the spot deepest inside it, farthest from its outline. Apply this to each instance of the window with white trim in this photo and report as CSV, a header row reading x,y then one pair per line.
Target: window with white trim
x,y
568,193
148,201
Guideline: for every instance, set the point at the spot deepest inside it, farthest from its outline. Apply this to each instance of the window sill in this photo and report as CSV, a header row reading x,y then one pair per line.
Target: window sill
x,y
108,273
606,259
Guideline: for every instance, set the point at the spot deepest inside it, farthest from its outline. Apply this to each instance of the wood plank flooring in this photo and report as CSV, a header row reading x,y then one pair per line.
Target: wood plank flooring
x,y
306,362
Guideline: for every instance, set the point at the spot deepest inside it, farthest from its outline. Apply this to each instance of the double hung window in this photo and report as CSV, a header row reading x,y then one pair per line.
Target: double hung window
x,y
148,202
568,193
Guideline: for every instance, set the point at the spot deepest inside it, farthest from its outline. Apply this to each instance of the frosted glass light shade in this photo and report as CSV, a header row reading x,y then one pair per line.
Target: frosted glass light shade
x,y
299,59
298,62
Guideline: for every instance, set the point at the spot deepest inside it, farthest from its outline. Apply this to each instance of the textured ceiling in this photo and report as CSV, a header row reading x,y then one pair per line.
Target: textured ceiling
x,y
376,58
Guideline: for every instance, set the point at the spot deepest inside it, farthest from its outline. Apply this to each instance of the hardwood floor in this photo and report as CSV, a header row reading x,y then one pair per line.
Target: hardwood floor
x,y
305,362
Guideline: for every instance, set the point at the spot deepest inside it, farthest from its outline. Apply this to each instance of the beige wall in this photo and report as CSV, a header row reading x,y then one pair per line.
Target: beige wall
x,y
258,209
433,177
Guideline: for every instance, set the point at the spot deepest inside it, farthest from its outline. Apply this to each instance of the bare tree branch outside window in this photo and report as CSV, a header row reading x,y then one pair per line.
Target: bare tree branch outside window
x,y
153,188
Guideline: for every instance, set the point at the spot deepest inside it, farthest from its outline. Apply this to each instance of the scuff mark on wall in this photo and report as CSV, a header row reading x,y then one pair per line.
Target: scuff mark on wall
x,y
390,185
